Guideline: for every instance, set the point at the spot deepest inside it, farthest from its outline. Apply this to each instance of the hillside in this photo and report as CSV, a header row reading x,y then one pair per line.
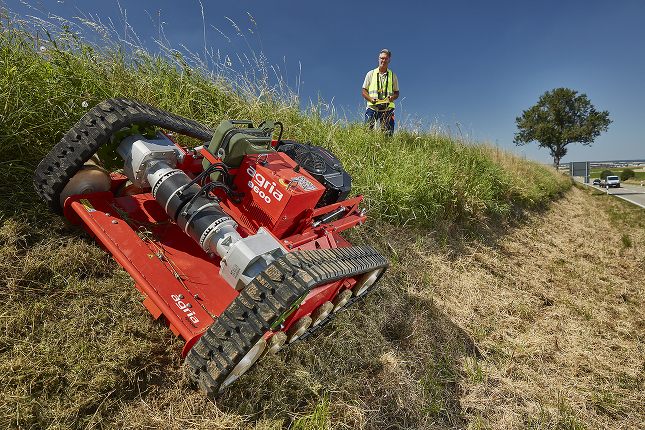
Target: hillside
x,y
514,300
538,324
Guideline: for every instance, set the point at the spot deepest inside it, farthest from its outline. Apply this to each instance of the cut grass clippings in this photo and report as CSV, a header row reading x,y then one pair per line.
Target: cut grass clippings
x,y
538,323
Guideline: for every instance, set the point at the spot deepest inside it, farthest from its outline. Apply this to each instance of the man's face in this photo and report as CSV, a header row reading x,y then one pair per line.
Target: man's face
x,y
383,60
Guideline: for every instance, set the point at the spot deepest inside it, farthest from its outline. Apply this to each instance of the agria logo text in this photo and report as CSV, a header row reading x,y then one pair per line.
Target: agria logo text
x,y
186,307
262,187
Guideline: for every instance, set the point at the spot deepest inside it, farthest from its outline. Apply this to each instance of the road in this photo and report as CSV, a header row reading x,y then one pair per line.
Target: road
x,y
632,193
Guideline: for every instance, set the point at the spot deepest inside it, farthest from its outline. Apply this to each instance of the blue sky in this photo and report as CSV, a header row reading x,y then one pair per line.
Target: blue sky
x,y
475,64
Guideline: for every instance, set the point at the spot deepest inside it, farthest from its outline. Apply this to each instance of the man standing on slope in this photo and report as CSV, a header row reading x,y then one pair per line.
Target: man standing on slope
x,y
380,89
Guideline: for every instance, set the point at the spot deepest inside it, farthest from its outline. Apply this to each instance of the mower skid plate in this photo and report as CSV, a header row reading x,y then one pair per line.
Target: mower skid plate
x,y
177,277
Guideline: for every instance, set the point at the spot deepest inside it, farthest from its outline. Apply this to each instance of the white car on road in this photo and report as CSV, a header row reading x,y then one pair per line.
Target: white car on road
x,y
612,181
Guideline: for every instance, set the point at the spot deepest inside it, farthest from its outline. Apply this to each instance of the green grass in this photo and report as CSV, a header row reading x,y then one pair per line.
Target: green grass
x,y
318,419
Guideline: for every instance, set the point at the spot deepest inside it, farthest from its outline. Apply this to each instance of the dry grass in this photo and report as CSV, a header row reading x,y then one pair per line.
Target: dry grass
x,y
555,307
535,324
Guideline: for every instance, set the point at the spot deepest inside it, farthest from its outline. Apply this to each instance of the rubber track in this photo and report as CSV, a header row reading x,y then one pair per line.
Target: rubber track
x,y
92,131
268,296
332,315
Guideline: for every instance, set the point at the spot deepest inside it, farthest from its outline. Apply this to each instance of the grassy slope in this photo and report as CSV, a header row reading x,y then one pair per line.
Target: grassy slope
x,y
459,333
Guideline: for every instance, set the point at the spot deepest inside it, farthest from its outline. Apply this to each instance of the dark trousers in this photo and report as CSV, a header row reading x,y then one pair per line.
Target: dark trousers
x,y
385,119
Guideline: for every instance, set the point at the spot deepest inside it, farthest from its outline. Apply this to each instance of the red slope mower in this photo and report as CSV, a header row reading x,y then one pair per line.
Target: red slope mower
x,y
234,243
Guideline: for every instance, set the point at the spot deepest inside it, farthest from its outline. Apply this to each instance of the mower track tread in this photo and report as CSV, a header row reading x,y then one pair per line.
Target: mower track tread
x,y
92,131
267,297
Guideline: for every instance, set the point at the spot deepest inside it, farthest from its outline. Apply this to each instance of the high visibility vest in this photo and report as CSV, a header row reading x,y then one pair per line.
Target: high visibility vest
x,y
377,91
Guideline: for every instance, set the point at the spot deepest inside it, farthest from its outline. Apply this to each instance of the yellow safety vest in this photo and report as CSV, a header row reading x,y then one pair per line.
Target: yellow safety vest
x,y
376,91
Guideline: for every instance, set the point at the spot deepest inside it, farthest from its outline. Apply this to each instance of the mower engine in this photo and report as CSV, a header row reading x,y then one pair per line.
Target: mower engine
x,y
151,163
234,243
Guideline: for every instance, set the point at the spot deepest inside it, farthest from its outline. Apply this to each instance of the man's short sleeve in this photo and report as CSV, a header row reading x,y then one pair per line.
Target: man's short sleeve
x,y
395,83
368,80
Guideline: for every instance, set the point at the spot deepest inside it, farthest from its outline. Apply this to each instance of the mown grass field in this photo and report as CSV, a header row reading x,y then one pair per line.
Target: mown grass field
x,y
514,300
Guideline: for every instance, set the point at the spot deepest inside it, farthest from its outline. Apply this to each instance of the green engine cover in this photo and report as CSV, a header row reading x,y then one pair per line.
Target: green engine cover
x,y
235,139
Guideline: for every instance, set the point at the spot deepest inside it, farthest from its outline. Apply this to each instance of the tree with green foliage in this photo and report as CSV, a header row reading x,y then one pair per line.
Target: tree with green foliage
x,y
558,119
627,174
605,173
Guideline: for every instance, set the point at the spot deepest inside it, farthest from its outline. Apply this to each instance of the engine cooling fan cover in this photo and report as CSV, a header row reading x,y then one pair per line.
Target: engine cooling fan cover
x,y
323,166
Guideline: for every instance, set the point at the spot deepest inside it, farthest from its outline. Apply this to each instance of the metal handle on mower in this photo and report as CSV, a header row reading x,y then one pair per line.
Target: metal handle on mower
x,y
242,122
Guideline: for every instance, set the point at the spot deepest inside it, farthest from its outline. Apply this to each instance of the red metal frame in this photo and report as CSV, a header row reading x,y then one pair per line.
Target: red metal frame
x,y
182,282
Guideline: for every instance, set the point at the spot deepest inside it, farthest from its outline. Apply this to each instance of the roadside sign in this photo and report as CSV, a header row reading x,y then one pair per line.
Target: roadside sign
x,y
580,168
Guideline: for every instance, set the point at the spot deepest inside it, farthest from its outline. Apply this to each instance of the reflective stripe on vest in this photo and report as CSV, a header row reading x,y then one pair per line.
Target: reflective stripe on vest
x,y
375,90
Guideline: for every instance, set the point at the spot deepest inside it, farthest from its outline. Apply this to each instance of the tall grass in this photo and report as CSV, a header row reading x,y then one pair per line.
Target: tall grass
x,y
54,73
